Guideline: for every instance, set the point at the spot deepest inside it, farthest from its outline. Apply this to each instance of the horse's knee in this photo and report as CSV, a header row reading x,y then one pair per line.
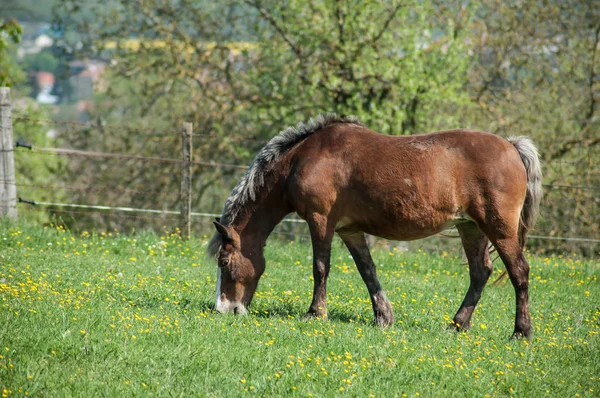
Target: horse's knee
x,y
320,271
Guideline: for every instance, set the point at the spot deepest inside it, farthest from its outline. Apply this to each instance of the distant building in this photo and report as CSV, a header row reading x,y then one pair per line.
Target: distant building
x,y
45,83
34,45
85,78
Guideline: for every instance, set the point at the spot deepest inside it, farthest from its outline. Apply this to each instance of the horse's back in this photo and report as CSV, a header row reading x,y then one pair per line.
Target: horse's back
x,y
403,187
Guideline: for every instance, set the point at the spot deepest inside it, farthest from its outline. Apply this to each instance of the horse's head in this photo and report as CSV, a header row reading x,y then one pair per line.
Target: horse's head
x,y
239,269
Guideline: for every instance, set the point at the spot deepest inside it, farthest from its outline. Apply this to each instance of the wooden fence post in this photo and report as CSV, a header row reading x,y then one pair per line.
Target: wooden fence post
x,y
8,189
186,180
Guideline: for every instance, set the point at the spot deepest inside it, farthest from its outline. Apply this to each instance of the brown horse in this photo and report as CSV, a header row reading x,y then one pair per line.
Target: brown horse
x,y
341,177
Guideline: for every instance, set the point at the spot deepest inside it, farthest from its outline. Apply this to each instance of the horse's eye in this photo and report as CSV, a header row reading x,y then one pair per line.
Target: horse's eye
x,y
224,262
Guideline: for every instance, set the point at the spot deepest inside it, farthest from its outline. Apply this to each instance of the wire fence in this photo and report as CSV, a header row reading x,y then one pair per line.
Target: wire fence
x,y
32,201
81,125
32,204
147,132
104,155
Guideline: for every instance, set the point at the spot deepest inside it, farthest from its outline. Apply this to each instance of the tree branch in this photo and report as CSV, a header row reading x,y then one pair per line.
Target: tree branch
x,y
373,41
340,21
589,116
284,35
592,109
269,18
568,145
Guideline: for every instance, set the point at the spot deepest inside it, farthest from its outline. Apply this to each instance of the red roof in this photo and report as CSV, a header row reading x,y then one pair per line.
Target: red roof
x,y
44,78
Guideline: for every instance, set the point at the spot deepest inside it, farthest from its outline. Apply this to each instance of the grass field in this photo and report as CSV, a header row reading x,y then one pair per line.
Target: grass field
x,y
113,315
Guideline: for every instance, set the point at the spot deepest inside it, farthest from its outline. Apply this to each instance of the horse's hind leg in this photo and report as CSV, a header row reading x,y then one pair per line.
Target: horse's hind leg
x,y
517,267
475,244
357,245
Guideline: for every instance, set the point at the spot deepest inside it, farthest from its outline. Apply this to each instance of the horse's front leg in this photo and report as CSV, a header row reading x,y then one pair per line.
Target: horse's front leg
x,y
321,236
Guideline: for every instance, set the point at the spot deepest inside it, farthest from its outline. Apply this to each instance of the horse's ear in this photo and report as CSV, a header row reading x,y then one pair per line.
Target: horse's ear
x,y
224,231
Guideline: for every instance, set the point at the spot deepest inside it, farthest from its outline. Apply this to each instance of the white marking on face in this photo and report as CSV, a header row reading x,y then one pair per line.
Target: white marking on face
x,y
218,299
223,305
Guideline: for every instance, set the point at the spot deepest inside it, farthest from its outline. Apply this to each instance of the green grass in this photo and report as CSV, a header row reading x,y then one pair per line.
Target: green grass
x,y
131,316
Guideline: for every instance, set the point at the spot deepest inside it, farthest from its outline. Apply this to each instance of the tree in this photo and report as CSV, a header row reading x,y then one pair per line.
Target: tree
x,y
27,10
392,64
10,34
243,70
42,61
538,74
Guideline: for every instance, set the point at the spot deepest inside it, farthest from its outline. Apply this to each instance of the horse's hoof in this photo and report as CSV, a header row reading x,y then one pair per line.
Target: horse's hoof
x,y
453,327
520,334
457,327
315,315
384,321
384,317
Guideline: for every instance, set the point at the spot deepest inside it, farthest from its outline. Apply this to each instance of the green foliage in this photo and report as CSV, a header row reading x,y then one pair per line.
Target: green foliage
x,y
10,34
119,315
42,61
28,10
392,64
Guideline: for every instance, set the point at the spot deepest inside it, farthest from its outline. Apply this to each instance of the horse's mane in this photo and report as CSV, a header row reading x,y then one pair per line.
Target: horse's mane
x,y
248,186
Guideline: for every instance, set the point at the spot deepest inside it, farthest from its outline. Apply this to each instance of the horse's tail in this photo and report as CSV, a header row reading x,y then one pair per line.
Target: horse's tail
x,y
531,161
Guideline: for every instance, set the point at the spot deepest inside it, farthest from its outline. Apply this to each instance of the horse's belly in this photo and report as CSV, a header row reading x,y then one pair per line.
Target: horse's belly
x,y
396,227
411,231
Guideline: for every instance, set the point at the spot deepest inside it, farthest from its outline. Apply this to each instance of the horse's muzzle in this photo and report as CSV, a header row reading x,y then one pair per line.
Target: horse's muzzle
x,y
226,306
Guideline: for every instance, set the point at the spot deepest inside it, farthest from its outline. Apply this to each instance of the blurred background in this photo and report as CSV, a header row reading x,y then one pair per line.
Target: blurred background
x,y
120,78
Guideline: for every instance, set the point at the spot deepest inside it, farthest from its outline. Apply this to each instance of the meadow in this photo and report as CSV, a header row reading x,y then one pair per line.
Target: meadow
x,y
130,315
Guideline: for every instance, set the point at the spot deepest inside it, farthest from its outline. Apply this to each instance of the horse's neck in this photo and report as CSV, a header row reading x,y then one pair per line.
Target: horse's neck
x,y
257,220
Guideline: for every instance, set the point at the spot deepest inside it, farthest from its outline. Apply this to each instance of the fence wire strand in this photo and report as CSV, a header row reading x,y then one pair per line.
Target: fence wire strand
x,y
83,189
82,125
150,132
103,214
105,155
132,209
